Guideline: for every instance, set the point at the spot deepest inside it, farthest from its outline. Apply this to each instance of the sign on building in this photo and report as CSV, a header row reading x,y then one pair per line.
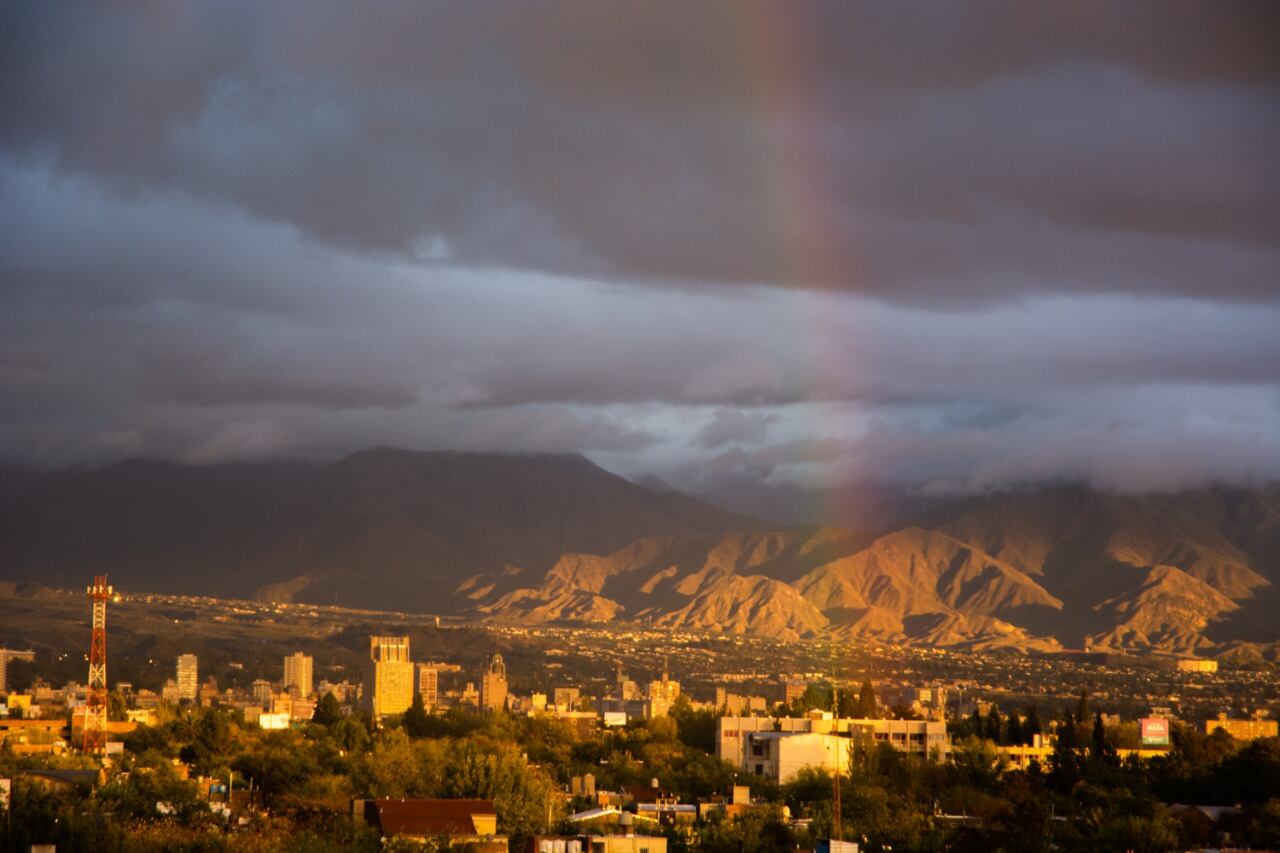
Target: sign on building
x,y
1155,731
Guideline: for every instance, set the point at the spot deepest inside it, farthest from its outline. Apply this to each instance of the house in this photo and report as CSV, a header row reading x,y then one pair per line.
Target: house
x,y
624,843
473,823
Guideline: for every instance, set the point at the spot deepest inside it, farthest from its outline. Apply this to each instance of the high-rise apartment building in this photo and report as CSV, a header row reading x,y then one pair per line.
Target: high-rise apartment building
x,y
388,684
493,685
429,685
188,678
297,674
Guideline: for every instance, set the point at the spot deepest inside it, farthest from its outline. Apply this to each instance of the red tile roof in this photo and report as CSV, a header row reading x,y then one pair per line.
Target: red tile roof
x,y
429,818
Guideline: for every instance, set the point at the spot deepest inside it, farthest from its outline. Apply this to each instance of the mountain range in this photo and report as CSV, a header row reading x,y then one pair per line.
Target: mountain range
x,y
554,538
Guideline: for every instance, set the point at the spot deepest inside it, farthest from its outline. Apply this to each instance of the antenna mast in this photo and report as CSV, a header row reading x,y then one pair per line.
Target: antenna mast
x,y
837,818
95,718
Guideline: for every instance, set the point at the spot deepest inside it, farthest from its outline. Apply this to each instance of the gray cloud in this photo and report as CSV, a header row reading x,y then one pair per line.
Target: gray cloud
x,y
916,153
730,426
950,247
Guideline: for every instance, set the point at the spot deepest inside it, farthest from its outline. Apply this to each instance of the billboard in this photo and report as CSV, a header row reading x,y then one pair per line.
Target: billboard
x,y
1155,731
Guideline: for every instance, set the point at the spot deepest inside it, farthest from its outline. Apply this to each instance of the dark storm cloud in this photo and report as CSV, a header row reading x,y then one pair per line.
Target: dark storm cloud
x,y
920,152
952,245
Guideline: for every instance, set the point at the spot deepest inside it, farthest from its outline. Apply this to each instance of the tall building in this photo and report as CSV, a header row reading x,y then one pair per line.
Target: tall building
x,y
388,684
493,685
7,655
429,685
188,678
297,673
262,692
661,694
627,689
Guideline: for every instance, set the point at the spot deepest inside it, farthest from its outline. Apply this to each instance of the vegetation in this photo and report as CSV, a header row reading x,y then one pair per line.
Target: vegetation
x,y
1083,798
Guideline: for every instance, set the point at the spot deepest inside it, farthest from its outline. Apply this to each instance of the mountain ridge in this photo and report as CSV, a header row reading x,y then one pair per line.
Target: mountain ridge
x,y
538,538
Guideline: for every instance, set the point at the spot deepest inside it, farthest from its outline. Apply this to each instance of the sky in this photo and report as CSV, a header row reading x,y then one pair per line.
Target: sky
x,y
950,246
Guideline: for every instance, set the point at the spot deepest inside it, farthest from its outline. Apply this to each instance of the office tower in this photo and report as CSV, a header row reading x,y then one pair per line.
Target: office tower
x,y
297,673
388,685
493,685
188,678
429,685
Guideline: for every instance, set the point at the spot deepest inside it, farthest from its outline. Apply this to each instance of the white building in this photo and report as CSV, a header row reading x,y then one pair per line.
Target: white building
x,y
779,748
781,755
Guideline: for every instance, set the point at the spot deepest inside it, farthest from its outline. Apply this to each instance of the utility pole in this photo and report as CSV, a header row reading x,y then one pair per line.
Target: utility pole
x,y
95,718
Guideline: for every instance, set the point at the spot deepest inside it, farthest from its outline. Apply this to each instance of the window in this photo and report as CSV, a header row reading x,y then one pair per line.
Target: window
x,y
759,769
757,748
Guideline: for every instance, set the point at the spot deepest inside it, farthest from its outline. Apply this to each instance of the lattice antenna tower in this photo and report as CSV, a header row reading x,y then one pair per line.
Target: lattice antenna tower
x,y
95,718
837,809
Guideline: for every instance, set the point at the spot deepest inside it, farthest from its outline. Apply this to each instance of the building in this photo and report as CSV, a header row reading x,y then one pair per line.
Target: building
x,y
274,721
7,655
187,678
429,685
629,843
740,706
493,685
793,691
734,806
473,823
567,698
262,692
661,695
1245,730
209,691
781,755
1197,665
388,687
753,744
627,690
297,674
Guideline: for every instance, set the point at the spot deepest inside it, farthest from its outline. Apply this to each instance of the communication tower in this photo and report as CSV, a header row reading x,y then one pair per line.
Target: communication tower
x,y
95,718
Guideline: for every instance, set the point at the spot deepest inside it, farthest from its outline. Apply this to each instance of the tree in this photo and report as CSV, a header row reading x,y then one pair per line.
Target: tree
x,y
1032,726
328,711
1082,707
1014,736
414,721
695,728
1101,750
991,730
866,705
1065,760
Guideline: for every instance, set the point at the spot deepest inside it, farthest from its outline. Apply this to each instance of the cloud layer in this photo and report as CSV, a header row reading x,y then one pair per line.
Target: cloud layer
x,y
955,247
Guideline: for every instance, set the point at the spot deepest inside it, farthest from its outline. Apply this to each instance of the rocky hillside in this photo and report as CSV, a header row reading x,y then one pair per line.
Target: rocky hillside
x,y
1197,572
